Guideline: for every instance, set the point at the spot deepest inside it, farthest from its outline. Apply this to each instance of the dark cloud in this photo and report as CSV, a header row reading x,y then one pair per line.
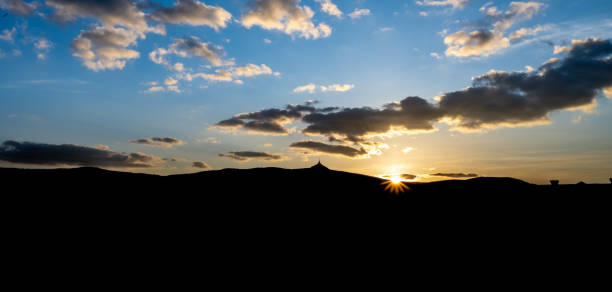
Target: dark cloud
x,y
69,154
350,124
158,141
110,12
200,164
266,127
269,121
410,114
18,7
308,107
405,176
248,155
455,175
271,115
408,176
192,46
230,123
514,98
194,13
330,149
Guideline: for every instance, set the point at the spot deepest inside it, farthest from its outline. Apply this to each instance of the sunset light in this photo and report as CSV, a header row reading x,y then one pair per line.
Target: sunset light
x,y
406,91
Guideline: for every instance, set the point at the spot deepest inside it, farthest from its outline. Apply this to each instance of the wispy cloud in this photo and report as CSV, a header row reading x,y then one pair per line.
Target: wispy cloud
x,y
245,156
312,88
358,13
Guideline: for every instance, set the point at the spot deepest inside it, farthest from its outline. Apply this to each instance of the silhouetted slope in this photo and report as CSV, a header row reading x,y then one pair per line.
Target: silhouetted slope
x,y
126,204
260,184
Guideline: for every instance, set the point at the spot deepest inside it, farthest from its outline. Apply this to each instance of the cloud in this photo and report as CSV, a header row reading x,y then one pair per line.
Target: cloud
x,y
312,88
330,8
524,32
254,70
69,154
358,13
496,99
8,35
42,46
319,147
105,48
608,92
155,89
250,70
267,41
200,164
18,7
159,142
157,56
193,13
405,176
219,75
174,88
110,12
170,81
286,16
268,121
476,43
178,67
456,175
210,140
337,87
407,150
515,98
244,156
454,3
192,46
410,114
487,41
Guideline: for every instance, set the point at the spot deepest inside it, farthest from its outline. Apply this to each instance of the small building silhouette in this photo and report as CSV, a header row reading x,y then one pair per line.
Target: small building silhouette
x,y
554,182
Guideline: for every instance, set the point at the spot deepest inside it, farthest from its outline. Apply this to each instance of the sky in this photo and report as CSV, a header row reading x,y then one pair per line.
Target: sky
x,y
428,90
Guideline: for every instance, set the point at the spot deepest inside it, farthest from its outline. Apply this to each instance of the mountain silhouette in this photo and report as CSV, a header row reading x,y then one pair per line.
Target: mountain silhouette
x,y
315,184
241,206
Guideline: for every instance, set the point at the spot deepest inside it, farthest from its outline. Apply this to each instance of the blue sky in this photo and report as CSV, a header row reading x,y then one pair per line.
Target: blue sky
x,y
114,97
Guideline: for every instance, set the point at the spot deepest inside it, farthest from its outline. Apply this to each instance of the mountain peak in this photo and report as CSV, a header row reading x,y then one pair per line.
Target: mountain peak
x,y
319,166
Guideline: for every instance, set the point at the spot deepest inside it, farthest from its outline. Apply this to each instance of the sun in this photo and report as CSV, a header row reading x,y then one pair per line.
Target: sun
x,y
395,184
395,179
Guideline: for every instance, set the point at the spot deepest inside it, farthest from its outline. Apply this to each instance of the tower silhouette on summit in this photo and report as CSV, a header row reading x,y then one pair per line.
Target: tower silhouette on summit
x,y
319,166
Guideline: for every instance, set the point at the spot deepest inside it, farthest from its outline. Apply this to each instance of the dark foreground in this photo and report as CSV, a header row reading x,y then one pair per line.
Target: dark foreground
x,y
222,218
286,196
